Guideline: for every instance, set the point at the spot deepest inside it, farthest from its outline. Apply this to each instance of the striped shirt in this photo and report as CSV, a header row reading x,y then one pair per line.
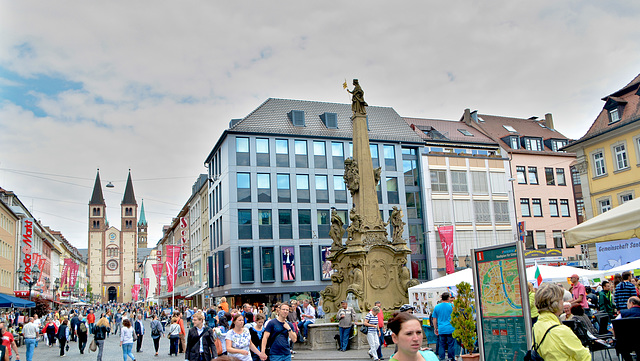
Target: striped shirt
x,y
373,320
624,290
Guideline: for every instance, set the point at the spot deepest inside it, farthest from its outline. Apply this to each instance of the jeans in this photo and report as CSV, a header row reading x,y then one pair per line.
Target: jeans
x,y
82,343
63,342
156,343
446,341
374,341
304,326
31,345
345,332
173,345
100,344
126,351
381,341
280,357
91,328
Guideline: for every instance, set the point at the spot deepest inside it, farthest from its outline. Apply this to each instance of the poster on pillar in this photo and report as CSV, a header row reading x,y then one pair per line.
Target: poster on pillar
x,y
446,239
288,264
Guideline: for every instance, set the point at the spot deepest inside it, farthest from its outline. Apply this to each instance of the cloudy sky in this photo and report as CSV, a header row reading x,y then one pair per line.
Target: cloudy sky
x,y
150,85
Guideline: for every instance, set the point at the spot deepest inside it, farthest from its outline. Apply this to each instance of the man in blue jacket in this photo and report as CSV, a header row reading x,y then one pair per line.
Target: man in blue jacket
x,y
138,328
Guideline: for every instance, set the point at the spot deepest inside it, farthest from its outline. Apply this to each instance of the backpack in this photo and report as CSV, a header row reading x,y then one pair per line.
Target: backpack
x,y
533,355
82,327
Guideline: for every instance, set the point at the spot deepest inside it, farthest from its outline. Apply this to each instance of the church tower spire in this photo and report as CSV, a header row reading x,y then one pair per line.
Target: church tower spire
x,y
142,228
96,197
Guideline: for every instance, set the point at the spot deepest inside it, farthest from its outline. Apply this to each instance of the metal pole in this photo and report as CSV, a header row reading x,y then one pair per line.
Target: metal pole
x,y
173,289
30,287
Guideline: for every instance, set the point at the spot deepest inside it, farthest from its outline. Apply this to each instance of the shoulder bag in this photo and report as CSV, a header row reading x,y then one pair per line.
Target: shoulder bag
x,y
533,355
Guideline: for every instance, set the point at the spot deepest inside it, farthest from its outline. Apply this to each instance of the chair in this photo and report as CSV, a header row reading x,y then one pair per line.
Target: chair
x,y
626,336
593,342
602,322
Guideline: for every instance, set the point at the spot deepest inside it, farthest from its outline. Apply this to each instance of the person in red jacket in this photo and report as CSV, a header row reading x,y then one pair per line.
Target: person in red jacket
x,y
91,320
51,329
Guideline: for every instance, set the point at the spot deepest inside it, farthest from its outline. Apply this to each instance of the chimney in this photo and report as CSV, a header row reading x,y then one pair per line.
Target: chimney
x,y
467,116
548,121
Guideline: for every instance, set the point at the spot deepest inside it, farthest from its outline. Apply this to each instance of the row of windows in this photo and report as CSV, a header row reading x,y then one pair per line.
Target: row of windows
x,y
551,177
300,147
466,211
290,263
532,143
604,204
7,224
620,158
6,250
459,181
538,239
534,208
5,278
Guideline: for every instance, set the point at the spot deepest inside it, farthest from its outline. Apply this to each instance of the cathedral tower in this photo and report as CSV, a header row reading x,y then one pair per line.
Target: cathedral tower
x,y
97,226
142,228
129,239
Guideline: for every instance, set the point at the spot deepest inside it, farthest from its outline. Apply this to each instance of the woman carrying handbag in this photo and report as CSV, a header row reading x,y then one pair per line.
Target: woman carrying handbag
x,y
174,336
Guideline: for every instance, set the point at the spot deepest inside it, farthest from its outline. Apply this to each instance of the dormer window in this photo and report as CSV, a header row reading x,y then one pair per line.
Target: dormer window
x,y
615,107
532,143
614,116
514,142
330,120
297,117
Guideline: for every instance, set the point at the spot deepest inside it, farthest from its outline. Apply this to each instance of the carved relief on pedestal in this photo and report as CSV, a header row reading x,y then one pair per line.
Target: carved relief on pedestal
x,y
356,222
398,225
376,175
351,175
583,166
379,274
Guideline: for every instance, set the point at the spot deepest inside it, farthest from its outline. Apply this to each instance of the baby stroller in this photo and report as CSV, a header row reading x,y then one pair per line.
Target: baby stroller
x,y
351,336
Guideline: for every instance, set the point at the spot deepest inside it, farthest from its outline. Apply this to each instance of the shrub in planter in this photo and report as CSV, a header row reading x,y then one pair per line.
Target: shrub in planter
x,y
462,317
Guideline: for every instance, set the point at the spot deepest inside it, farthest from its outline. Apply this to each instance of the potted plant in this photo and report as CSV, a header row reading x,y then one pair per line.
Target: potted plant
x,y
463,321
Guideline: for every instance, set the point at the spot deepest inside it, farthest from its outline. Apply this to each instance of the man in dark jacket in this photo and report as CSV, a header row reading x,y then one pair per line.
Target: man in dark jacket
x,y
200,341
75,321
139,330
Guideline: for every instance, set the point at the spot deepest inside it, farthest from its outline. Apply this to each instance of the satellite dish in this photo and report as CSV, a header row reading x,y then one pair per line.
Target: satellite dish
x,y
109,185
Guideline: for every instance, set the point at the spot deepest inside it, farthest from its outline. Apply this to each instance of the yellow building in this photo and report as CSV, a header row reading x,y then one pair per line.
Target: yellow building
x,y
608,155
8,237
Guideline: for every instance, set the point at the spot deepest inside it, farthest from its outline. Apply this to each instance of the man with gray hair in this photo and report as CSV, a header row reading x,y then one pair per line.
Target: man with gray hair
x,y
346,316
30,333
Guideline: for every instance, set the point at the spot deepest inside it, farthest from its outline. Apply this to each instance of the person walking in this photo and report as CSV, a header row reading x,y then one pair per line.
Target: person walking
x,y
74,325
139,329
256,331
346,317
51,329
183,333
101,331
63,336
30,333
373,332
8,341
381,328
238,340
81,332
174,336
560,343
91,320
156,332
126,339
277,333
117,322
442,327
200,340
624,290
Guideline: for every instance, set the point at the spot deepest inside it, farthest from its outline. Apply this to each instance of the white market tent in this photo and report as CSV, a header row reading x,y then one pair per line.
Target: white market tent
x,y
561,273
625,267
621,222
445,281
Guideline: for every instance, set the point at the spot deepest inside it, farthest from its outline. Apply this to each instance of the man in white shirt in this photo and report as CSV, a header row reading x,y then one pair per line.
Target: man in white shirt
x,y
308,317
30,333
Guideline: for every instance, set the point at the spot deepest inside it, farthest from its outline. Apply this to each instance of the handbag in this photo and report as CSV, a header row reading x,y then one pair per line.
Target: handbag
x,y
533,355
93,346
364,329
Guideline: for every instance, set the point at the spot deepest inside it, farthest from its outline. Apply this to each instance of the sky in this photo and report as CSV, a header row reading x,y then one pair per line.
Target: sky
x,y
151,85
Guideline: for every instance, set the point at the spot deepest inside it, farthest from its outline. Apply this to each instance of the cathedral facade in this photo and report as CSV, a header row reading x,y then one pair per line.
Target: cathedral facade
x,y
113,251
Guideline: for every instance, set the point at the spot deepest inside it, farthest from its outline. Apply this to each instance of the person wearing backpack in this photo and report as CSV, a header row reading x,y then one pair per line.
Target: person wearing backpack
x,y
101,331
156,332
553,340
81,332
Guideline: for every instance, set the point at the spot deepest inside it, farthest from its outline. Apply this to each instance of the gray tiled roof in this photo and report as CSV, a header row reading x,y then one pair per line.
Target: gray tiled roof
x,y
272,118
84,253
144,253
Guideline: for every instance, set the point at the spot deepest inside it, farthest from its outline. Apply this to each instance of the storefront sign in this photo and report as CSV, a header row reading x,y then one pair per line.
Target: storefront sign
x,y
27,244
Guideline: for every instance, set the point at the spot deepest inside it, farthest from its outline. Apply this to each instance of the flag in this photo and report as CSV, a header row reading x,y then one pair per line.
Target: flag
x,y
344,85
538,275
446,238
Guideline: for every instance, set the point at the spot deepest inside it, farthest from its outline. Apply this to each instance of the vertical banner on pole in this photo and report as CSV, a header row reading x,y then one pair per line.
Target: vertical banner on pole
x,y
145,282
446,238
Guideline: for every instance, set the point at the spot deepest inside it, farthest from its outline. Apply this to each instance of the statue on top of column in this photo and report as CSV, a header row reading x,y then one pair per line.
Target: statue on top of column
x,y
358,104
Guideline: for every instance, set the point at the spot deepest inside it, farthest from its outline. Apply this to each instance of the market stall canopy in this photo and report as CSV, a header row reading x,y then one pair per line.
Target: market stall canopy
x,y
80,304
561,273
446,281
625,267
10,302
621,222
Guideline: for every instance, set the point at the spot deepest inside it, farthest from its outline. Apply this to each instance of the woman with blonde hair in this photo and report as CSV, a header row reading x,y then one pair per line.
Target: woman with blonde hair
x,y
100,332
174,336
553,340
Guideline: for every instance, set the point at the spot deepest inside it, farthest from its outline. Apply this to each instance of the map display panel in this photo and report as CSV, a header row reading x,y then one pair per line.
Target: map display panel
x,y
500,288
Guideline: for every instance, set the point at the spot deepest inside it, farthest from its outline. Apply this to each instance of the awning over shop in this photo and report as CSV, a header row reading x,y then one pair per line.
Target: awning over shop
x,y
10,301
195,292
621,222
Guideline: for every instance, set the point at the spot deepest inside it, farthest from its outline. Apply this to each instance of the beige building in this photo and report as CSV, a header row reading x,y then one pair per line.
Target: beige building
x,y
112,251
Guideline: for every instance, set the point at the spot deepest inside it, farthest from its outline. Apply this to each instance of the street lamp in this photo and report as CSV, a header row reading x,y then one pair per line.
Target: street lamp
x,y
35,275
467,262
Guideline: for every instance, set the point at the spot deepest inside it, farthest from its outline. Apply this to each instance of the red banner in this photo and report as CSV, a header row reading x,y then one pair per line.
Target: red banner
x,y
157,269
41,263
65,272
145,282
173,253
135,291
73,274
446,238
27,243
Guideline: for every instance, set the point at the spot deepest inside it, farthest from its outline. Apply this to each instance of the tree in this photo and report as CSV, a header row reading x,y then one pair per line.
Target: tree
x,y
42,306
89,289
462,317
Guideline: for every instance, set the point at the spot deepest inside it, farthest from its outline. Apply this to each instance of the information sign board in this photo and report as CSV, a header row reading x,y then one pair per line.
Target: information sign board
x,y
502,302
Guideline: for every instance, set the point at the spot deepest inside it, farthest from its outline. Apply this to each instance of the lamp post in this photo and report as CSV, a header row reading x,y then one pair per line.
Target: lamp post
x,y
56,287
33,278
467,262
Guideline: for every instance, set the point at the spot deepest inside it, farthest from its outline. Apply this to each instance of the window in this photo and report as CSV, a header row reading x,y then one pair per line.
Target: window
x,y
410,169
306,263
324,223
553,208
598,164
264,224
297,117
548,172
556,144
479,180
242,151
284,224
337,154
389,157
575,176
339,189
564,207
284,189
509,128
465,132
482,211
264,187
533,175
96,212
301,153
262,152
605,205
319,154
501,210
459,181
443,215
524,207
344,215
580,207
304,223
330,120
414,205
528,240
244,224
244,187
246,265
521,174
541,239
620,154
560,176
282,153
128,212
624,198
536,205
557,239
533,144
374,155
322,189
614,116
302,185
439,181
267,262
392,190
462,211
514,142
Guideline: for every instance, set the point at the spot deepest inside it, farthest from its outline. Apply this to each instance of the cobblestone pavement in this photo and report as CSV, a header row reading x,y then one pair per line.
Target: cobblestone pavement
x,y
113,352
